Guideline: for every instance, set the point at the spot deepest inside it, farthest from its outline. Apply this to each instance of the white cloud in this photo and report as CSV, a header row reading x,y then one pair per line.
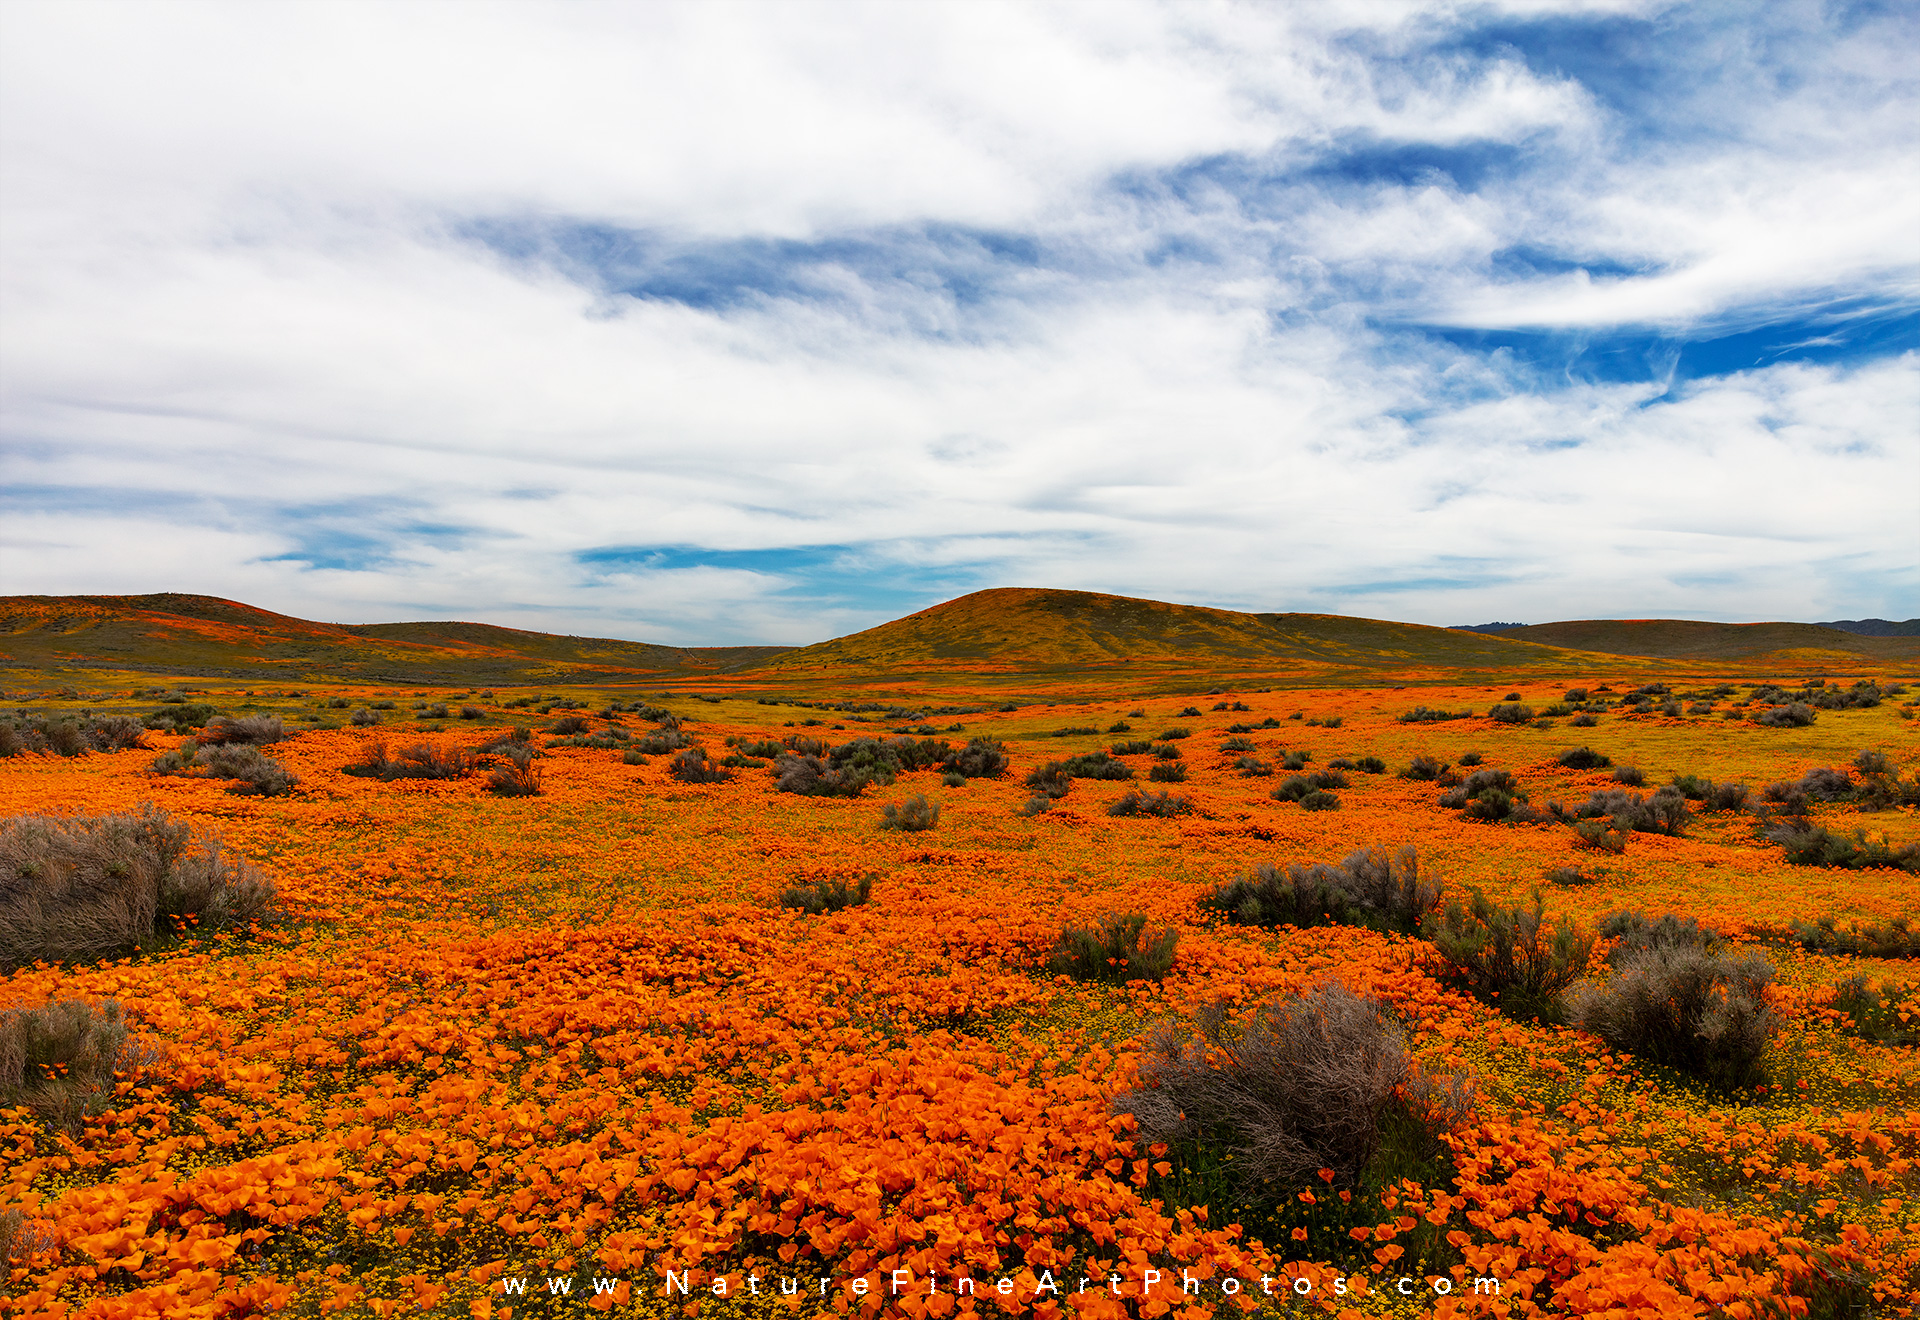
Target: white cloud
x,y
252,349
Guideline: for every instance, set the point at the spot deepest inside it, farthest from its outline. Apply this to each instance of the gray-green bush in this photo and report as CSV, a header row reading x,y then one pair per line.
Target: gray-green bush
x,y
79,888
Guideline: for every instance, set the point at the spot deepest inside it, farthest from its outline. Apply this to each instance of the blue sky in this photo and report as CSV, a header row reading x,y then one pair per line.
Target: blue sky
x,y
735,323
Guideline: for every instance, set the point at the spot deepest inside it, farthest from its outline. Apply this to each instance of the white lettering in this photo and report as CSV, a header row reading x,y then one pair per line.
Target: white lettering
x,y
965,1286
858,1287
789,1287
1230,1285
1004,1287
1046,1283
1443,1286
513,1285
1188,1284
900,1279
1479,1282
601,1286
1402,1288
682,1282
1147,1279
720,1286
1303,1285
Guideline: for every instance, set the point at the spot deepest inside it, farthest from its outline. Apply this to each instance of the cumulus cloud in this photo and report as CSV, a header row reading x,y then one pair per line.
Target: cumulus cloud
x,y
703,323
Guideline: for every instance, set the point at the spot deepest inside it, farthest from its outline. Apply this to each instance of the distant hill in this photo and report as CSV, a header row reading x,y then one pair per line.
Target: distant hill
x,y
1688,639
204,635
1039,631
1876,627
1487,627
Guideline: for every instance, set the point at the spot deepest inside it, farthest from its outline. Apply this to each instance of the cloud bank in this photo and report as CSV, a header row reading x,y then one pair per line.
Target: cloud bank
x,y
724,323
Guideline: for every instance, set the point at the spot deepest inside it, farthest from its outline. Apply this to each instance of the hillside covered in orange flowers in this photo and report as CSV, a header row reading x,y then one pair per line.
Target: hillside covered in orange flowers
x,y
579,1043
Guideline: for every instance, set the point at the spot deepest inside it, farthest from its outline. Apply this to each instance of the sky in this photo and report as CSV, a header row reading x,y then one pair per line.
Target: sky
x,y
720,323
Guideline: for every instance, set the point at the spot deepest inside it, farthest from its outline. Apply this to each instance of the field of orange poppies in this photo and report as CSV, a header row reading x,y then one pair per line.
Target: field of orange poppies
x,y
528,1055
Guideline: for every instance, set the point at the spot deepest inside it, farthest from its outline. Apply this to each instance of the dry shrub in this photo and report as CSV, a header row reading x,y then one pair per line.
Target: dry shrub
x,y
1506,956
60,1060
827,895
256,730
248,768
85,887
1301,1085
1700,1012
692,767
1370,888
1118,951
519,776
1634,934
415,761
913,815
1136,803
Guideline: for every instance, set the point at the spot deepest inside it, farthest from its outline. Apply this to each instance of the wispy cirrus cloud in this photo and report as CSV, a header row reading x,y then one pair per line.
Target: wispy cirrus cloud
x,y
661,322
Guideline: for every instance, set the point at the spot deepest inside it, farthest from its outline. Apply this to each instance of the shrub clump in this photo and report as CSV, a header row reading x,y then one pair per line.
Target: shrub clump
x,y
827,895
258,730
1509,712
913,815
415,761
1793,715
1424,769
1583,758
981,758
1370,888
1167,772
1882,1013
68,737
1815,845
692,767
1633,934
1425,715
1303,1085
1896,939
1490,795
79,888
1505,955
518,776
1701,1012
1663,812
1136,803
60,1060
248,769
1119,950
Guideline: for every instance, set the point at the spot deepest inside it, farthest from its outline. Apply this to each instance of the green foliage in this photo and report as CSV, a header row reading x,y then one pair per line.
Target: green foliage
x,y
1133,747
1505,956
827,895
1583,758
1118,951
1167,772
1424,768
1815,845
1896,939
1510,713
1884,1014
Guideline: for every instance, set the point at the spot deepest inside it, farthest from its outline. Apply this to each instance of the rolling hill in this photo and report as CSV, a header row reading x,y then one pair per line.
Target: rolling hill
x,y
1743,643
1035,632
210,637
1025,638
